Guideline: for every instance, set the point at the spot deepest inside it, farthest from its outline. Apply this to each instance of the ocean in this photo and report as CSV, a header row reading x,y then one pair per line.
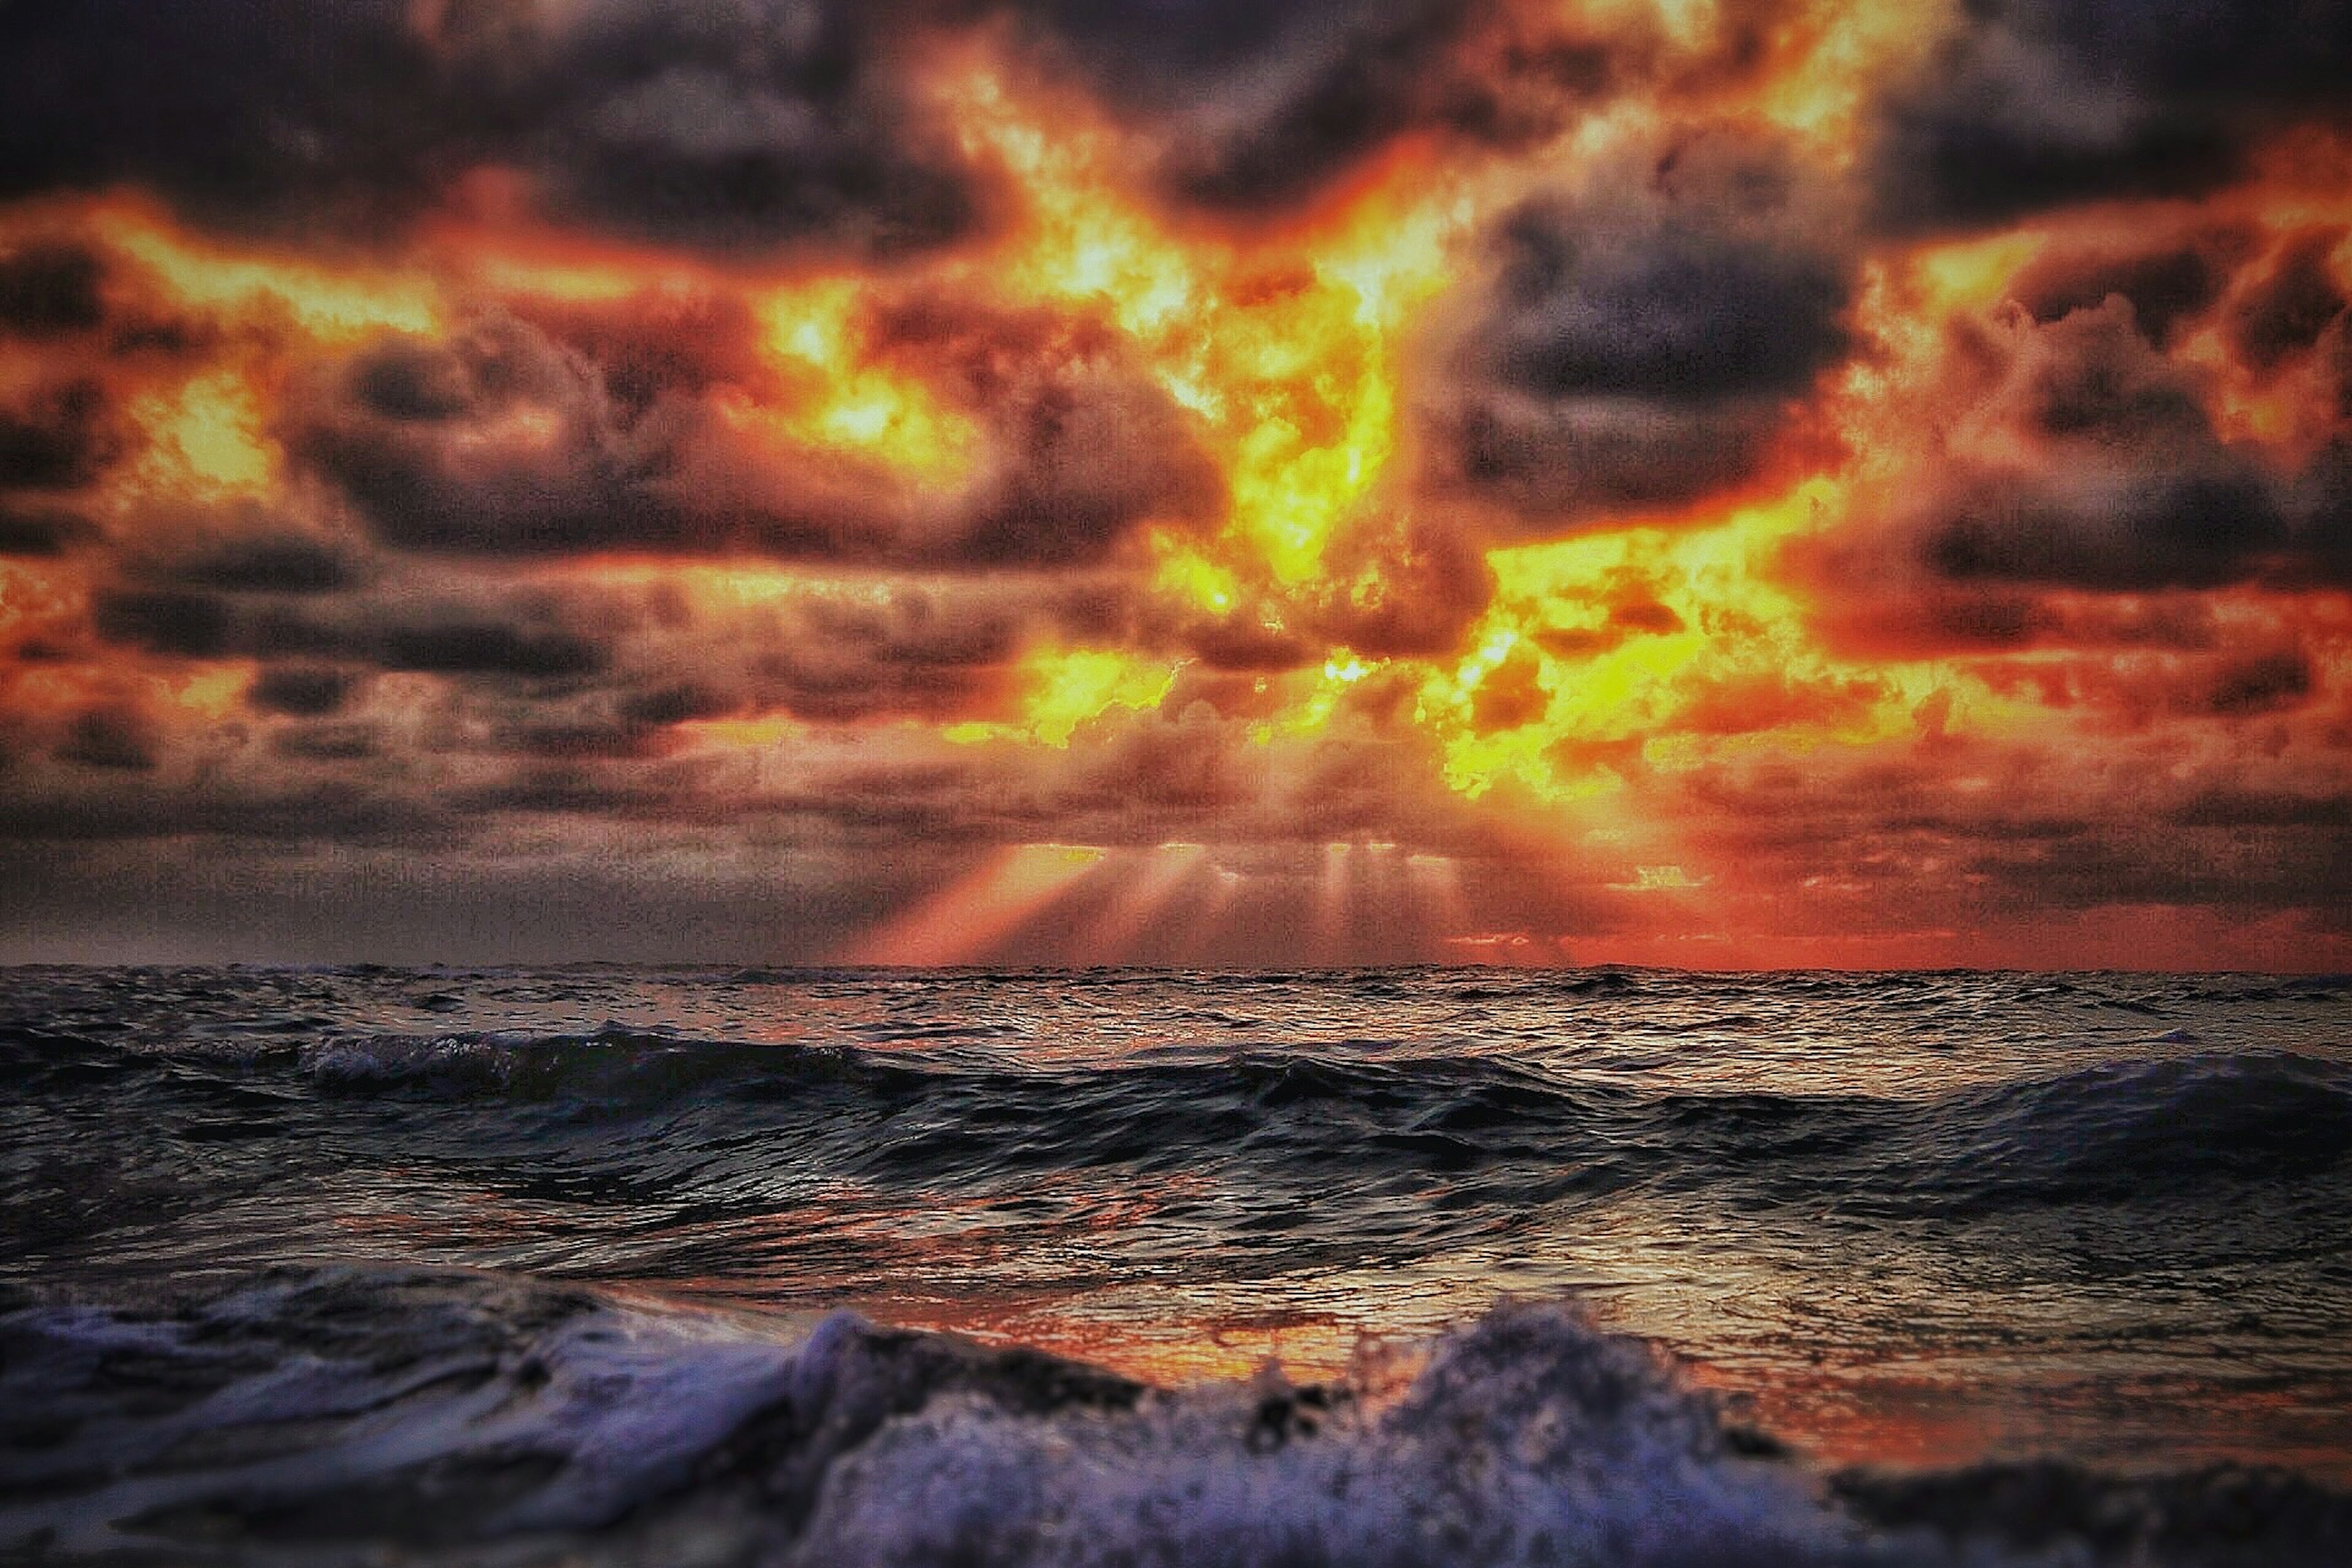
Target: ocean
x,y
1432,1266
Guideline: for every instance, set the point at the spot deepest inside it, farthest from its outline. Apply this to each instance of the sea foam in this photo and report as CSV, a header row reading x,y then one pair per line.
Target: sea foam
x,y
339,1414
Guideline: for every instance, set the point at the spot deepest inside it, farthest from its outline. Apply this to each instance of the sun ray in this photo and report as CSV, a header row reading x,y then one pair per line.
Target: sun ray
x,y
963,922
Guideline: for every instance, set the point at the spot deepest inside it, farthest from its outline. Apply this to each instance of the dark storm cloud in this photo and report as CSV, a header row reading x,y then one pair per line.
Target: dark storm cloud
x,y
495,442
725,125
467,643
176,624
1164,773
2123,484
41,530
2260,683
1254,107
2243,835
1260,105
1893,615
1557,466
58,438
384,892
2168,285
564,739
2235,806
735,125
1244,641
49,290
2114,532
1681,313
556,790
300,690
2072,457
1883,610
2117,691
582,671
2092,377
329,743
282,562
528,642
2036,103
260,113
907,652
752,126
658,341
1398,586
746,126
913,810
1086,445
118,738
2320,503
501,441
120,803
1643,344
2287,311
676,703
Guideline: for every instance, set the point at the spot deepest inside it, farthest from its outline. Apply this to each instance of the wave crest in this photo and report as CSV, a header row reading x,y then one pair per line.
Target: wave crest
x,y
345,1415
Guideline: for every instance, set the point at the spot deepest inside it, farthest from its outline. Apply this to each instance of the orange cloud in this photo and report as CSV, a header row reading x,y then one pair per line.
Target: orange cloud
x,y
1312,484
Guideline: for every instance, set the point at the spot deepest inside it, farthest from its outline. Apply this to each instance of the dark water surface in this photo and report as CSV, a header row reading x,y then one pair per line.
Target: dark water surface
x,y
612,1265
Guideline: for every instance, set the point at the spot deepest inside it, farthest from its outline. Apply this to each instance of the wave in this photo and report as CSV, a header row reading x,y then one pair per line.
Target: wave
x,y
347,1415
965,1109
2117,1129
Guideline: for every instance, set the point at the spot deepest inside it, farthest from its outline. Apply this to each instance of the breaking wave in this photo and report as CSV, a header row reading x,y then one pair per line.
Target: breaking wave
x,y
346,1415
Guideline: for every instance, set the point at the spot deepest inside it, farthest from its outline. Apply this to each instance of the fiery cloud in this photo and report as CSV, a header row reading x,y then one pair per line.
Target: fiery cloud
x,y
1741,482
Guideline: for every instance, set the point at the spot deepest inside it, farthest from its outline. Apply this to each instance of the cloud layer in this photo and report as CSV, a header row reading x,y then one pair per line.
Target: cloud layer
x,y
1017,481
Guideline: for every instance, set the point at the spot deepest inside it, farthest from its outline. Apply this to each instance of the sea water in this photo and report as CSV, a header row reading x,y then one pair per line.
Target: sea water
x,y
1420,1265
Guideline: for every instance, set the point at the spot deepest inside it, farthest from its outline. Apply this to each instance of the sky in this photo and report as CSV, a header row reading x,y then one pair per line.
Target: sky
x,y
1716,483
